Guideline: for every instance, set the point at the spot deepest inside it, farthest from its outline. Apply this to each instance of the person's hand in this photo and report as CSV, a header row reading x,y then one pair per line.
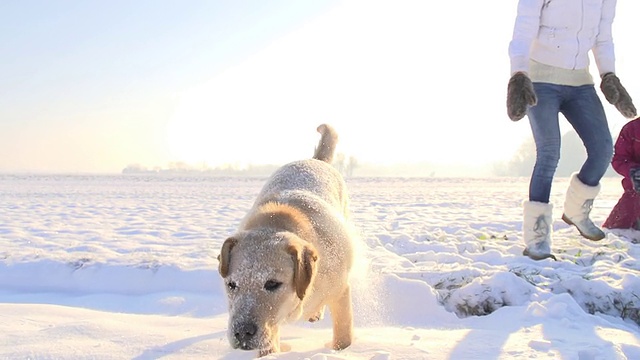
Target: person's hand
x,y
617,95
634,174
520,95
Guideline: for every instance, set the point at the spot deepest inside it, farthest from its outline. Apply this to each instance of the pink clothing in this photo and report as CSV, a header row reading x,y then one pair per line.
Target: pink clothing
x,y
626,213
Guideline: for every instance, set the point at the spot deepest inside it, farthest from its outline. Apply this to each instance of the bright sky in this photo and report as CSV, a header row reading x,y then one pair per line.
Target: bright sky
x,y
95,86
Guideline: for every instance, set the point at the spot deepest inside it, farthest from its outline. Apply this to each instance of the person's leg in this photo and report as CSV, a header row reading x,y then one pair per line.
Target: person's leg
x,y
584,112
537,212
545,127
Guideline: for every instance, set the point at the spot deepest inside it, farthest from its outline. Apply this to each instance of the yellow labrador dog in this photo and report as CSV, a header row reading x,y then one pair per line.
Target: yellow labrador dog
x,y
291,255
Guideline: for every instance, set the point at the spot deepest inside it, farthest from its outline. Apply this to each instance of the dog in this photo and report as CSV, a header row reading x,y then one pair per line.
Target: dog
x,y
291,255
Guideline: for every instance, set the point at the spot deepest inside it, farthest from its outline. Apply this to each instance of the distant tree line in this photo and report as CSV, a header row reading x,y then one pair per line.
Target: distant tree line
x,y
182,168
345,165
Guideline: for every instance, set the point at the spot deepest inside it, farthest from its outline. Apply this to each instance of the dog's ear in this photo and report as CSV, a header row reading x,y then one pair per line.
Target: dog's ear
x,y
225,255
304,266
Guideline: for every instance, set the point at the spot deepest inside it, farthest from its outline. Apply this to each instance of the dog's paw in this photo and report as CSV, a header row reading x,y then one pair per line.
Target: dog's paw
x,y
265,352
317,316
338,345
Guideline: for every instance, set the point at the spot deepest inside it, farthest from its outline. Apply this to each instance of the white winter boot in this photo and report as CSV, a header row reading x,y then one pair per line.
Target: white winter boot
x,y
536,230
577,206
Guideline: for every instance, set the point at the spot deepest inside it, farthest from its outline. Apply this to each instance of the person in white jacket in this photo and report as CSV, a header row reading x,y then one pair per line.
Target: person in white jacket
x,y
549,54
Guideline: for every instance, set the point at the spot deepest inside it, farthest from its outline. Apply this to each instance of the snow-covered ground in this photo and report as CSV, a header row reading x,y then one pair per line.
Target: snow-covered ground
x,y
124,267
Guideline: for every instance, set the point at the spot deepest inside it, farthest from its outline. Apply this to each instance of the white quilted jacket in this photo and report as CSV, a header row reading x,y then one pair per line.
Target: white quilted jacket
x,y
561,33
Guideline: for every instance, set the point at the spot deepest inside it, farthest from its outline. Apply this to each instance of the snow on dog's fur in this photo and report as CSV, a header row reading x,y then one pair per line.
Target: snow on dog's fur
x,y
292,254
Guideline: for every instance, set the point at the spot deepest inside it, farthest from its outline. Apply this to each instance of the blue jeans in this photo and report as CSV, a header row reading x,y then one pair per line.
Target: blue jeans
x,y
581,106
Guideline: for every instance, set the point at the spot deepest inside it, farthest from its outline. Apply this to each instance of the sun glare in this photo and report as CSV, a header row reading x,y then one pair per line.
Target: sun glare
x,y
214,125
198,134
380,97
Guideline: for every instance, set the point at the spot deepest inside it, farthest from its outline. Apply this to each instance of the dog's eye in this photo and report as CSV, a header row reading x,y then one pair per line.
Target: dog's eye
x,y
231,285
272,285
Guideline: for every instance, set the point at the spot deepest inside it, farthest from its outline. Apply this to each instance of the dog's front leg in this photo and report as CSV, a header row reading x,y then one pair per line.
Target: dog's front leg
x,y
342,316
274,343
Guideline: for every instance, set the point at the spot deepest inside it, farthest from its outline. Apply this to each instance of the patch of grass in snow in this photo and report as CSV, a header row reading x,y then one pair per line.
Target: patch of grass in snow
x,y
615,304
526,274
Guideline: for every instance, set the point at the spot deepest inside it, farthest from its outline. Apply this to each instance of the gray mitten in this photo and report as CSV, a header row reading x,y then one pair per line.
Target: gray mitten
x,y
520,95
617,95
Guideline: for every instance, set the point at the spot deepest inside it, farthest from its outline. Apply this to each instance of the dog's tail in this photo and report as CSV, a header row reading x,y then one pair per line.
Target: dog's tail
x,y
327,146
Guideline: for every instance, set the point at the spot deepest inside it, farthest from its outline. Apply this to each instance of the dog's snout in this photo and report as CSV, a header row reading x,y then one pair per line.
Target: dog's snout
x,y
245,332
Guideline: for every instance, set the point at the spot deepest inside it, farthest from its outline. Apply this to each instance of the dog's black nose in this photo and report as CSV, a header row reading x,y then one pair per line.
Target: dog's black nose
x,y
245,331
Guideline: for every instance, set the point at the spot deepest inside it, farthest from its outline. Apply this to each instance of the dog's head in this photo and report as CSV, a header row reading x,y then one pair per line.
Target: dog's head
x,y
266,277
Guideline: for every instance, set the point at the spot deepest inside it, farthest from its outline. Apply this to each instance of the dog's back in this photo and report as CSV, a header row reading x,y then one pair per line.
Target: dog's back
x,y
314,176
